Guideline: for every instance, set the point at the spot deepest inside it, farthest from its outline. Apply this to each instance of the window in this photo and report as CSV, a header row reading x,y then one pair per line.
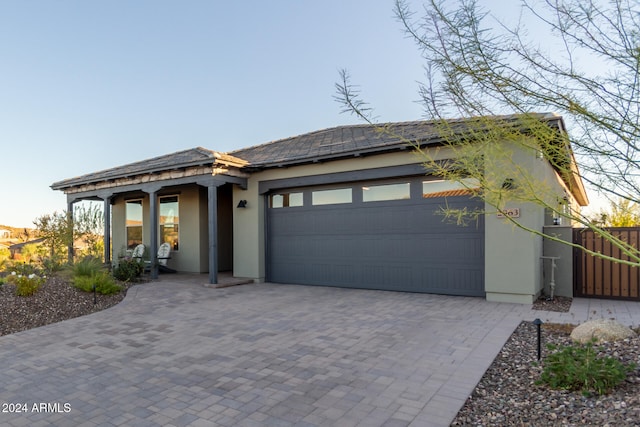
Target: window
x,y
331,197
169,219
441,187
376,193
133,223
286,200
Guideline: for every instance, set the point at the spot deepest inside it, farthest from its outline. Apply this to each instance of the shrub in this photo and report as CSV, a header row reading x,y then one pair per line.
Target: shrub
x,y
127,270
104,283
52,264
87,266
580,368
26,285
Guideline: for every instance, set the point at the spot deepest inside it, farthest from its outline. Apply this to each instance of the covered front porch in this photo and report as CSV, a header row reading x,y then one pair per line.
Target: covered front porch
x,y
184,199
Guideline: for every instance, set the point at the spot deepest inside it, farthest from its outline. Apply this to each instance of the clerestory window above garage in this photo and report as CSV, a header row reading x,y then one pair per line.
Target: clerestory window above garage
x,y
286,200
384,192
331,197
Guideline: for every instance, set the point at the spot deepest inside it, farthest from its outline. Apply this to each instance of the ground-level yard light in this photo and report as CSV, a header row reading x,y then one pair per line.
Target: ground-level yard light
x,y
538,324
95,300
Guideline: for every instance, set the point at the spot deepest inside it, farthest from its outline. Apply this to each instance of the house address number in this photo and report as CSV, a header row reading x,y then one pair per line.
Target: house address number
x,y
511,213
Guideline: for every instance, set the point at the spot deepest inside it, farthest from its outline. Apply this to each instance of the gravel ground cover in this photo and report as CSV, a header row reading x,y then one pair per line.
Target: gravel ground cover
x,y
56,300
505,396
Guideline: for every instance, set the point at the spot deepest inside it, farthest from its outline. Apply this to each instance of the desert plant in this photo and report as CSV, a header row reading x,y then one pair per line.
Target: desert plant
x,y
127,270
579,367
26,285
102,280
52,264
87,266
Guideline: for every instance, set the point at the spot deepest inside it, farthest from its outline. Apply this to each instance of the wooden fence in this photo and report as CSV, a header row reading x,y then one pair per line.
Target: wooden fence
x,y
599,278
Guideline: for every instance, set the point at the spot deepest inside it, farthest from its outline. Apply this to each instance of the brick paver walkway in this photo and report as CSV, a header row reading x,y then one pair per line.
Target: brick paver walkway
x,y
179,354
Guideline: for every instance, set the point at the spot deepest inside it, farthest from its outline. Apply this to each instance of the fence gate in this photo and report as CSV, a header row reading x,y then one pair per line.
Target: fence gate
x,y
595,277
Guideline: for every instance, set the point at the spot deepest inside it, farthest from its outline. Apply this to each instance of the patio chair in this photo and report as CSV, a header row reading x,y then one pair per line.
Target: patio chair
x,y
164,254
138,252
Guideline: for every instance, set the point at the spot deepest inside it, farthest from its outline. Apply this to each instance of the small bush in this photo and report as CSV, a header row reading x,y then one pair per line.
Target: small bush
x,y
24,269
87,266
26,285
104,283
127,270
580,368
52,264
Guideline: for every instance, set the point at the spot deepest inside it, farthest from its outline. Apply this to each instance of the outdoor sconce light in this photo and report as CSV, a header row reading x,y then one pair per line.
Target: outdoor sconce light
x,y
508,184
242,204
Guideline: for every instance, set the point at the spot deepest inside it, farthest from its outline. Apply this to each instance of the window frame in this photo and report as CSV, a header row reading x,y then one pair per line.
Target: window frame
x,y
127,227
175,244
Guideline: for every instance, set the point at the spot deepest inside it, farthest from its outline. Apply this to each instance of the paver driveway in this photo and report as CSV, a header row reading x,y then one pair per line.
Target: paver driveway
x,y
180,354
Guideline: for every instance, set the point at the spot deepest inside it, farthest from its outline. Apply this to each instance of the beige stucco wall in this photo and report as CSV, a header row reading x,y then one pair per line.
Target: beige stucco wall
x,y
188,257
564,266
513,263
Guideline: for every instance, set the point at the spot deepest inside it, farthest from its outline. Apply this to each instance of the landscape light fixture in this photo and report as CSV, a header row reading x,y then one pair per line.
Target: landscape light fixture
x,y
538,324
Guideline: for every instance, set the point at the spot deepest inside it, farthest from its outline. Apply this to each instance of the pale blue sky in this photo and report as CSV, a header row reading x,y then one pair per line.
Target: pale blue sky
x,y
89,85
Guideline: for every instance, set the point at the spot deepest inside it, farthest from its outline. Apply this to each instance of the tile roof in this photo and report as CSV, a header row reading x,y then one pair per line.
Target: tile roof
x,y
449,193
181,159
337,142
327,144
353,140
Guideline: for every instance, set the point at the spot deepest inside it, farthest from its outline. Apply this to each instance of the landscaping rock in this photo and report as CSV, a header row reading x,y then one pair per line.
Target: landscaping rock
x,y
601,330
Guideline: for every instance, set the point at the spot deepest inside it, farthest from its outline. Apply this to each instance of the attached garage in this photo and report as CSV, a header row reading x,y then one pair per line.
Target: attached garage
x,y
388,235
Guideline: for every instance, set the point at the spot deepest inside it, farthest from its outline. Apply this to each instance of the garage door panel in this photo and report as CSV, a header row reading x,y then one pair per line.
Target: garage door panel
x,y
400,245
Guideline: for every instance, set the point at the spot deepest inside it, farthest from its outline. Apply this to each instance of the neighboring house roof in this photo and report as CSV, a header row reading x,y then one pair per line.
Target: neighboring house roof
x,y
449,193
19,246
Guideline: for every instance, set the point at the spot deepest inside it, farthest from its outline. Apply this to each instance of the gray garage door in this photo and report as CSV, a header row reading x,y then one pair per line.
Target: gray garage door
x,y
324,237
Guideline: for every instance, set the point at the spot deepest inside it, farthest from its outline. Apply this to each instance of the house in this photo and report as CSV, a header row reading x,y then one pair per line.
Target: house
x,y
17,248
348,206
5,234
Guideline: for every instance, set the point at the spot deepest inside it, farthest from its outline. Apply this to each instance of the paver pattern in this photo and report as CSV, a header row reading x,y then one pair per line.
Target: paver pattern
x,y
176,353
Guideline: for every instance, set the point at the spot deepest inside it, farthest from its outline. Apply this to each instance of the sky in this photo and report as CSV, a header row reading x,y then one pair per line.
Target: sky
x,y
90,85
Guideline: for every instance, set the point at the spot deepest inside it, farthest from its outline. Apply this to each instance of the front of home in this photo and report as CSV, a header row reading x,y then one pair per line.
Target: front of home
x,y
349,206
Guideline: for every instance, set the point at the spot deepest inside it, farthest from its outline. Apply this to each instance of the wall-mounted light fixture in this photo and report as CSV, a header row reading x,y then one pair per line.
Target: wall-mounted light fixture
x,y
242,204
508,184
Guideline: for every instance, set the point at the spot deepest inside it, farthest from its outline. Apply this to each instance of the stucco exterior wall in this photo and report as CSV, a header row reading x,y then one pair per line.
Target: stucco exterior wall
x,y
563,276
188,257
513,256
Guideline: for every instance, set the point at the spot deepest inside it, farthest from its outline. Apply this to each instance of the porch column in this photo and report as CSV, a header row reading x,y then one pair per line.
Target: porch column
x,y
213,233
70,218
107,229
153,238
